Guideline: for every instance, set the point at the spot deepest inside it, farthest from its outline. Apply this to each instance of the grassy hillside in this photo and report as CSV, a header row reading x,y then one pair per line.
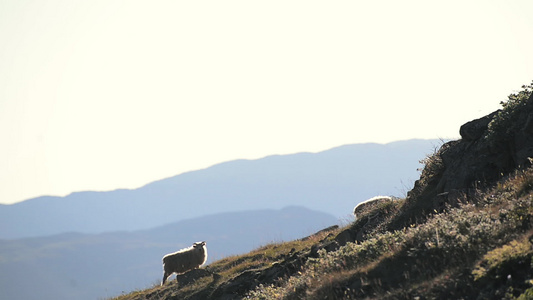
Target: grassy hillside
x,y
465,231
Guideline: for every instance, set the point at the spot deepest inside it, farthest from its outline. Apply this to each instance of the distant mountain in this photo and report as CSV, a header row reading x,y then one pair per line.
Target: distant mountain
x,y
331,181
81,266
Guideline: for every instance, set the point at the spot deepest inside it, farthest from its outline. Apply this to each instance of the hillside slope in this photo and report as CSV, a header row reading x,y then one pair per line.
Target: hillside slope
x,y
465,231
346,174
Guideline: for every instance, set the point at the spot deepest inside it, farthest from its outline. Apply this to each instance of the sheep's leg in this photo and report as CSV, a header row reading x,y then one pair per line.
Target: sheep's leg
x,y
165,276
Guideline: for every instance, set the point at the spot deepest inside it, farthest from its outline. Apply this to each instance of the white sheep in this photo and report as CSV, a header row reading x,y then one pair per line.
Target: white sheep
x,y
367,203
184,260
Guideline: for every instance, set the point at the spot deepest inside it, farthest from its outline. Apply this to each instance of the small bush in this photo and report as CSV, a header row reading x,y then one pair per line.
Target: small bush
x,y
433,166
500,260
527,295
503,122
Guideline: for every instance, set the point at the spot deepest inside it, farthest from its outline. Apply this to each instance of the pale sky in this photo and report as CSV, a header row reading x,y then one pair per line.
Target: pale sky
x,y
99,95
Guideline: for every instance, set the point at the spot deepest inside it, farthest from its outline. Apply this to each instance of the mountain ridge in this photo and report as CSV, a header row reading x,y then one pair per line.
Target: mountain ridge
x,y
348,174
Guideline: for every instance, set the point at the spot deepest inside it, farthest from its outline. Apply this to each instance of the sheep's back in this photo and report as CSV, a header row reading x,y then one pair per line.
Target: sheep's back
x,y
181,262
370,204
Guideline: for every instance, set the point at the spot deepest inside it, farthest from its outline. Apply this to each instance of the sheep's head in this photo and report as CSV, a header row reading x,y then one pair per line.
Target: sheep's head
x,y
199,245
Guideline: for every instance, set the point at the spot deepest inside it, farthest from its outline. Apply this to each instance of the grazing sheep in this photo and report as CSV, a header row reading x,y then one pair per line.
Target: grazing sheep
x,y
184,260
359,208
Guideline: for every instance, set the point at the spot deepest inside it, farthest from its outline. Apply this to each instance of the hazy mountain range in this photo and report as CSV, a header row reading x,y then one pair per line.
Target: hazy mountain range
x,y
331,181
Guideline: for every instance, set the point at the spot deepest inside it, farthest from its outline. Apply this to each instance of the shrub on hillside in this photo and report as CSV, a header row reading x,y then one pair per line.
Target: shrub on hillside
x,y
504,121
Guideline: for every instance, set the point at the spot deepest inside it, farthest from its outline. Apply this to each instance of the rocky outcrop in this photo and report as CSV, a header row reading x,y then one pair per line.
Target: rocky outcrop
x,y
475,129
491,147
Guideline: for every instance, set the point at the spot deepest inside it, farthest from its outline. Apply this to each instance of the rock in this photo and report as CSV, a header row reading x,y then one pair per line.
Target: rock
x,y
239,285
192,276
475,129
345,236
289,265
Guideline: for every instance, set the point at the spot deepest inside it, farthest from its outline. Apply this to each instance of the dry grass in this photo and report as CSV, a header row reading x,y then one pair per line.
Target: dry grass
x,y
452,253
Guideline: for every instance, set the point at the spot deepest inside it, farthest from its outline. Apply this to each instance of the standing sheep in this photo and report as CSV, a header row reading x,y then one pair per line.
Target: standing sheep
x,y
184,260
359,208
